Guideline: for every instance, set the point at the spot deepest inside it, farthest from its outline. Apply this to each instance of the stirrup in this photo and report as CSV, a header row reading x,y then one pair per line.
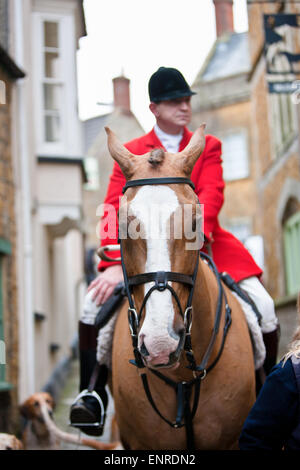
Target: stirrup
x,y
97,424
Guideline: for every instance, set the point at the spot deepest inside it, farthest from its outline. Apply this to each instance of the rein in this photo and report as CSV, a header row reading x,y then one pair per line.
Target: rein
x,y
185,413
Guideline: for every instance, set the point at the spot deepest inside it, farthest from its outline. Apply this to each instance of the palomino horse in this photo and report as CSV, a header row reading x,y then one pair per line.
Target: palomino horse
x,y
158,400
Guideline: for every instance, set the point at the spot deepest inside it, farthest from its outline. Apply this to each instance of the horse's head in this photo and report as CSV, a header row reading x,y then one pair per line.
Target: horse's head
x,y
159,228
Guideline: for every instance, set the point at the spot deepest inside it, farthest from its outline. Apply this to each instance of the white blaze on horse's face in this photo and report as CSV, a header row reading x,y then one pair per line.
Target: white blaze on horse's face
x,y
157,333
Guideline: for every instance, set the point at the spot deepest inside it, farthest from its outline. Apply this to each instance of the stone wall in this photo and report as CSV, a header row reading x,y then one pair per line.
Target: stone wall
x,y
8,399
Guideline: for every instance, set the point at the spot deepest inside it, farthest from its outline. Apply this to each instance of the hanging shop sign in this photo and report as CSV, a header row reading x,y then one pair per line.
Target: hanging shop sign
x,y
282,37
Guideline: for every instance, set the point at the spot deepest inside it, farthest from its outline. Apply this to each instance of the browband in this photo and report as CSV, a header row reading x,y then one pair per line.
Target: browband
x,y
160,278
147,181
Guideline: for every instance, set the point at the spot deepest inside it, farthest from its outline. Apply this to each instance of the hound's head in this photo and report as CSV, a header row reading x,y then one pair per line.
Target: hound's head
x,y
31,408
10,442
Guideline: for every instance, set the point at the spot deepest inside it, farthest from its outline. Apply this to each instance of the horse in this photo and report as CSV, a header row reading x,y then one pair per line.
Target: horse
x,y
165,400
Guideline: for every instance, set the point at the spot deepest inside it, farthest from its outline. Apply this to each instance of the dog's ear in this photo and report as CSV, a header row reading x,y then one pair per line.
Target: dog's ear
x,y
26,410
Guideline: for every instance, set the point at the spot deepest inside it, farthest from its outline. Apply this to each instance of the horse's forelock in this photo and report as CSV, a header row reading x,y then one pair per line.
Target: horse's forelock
x,y
156,157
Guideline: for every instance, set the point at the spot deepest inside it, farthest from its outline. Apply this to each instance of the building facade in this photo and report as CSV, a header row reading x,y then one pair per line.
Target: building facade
x,y
259,131
47,151
275,127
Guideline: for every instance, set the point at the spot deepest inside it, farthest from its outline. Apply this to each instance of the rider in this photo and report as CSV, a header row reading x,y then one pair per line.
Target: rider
x,y
170,102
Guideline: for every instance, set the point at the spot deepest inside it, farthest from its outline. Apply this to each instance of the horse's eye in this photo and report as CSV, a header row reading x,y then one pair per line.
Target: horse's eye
x,y
36,404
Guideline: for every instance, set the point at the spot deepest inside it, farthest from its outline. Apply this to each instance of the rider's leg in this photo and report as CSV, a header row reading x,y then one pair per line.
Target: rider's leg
x,y
269,323
86,407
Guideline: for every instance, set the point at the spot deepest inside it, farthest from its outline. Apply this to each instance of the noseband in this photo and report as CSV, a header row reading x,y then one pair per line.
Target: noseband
x,y
183,390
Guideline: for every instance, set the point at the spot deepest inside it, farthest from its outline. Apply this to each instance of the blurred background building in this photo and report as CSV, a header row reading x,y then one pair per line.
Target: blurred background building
x,y
261,154
42,177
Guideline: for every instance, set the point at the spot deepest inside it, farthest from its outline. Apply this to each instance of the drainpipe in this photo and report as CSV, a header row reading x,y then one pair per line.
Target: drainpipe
x,y
26,317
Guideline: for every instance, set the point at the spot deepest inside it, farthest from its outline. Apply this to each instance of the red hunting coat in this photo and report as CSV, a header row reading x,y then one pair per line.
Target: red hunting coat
x,y
229,253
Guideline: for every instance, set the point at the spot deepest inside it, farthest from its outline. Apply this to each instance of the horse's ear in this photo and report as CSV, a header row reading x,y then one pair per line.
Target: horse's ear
x,y
188,157
120,153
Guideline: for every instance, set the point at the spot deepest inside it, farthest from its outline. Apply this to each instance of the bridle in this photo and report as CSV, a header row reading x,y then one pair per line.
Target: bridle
x,y
160,278
183,390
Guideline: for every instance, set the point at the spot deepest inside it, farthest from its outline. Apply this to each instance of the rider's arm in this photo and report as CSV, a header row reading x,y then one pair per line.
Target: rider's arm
x,y
209,183
110,272
110,219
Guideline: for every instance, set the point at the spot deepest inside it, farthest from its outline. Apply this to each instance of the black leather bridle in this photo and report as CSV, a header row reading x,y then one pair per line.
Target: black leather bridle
x,y
183,390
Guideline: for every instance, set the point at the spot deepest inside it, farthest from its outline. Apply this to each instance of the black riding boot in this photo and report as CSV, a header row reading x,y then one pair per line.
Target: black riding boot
x,y
89,408
271,341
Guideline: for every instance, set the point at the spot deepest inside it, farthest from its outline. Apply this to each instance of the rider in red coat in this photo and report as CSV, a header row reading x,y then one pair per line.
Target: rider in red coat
x,y
170,103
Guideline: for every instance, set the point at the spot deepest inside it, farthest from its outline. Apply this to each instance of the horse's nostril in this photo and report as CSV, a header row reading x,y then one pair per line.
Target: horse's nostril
x,y
144,350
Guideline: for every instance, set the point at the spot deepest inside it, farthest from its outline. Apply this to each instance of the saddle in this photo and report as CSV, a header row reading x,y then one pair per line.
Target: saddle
x,y
233,285
110,306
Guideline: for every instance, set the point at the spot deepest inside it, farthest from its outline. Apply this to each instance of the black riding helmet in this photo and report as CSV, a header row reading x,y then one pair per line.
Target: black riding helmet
x,y
168,83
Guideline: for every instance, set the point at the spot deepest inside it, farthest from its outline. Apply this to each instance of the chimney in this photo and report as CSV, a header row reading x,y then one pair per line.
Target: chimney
x,y
224,17
121,93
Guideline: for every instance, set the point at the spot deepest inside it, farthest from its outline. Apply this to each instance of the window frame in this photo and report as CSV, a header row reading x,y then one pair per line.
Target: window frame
x,y
292,270
244,133
94,183
284,130
67,48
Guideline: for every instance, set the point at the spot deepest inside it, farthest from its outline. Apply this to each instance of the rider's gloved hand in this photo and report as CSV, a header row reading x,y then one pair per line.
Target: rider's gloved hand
x,y
105,283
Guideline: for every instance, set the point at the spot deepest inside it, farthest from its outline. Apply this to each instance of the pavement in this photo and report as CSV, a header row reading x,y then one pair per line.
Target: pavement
x,y
61,413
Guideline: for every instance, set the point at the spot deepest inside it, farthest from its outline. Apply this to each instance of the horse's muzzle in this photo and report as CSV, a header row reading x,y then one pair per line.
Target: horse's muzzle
x,y
163,360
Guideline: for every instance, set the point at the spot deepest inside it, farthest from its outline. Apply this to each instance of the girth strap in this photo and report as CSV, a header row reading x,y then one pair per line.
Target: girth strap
x,y
185,414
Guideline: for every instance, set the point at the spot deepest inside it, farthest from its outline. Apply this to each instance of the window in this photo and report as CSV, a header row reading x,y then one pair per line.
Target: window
x,y
2,342
52,85
4,24
92,170
240,227
284,121
291,239
55,84
5,249
235,156
2,92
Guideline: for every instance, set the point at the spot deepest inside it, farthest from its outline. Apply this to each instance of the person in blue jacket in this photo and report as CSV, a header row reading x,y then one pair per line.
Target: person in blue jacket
x,y
274,420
